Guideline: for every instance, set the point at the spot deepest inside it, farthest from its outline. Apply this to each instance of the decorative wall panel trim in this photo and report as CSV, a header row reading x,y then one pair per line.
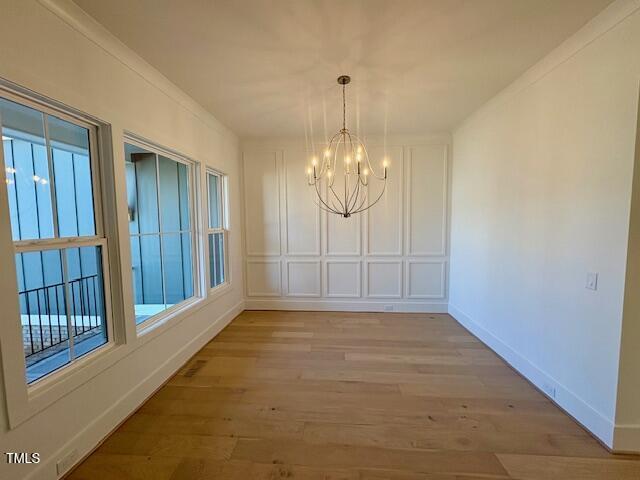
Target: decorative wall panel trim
x,y
297,175
322,259
397,171
317,277
327,232
395,288
357,264
441,294
250,204
257,293
411,249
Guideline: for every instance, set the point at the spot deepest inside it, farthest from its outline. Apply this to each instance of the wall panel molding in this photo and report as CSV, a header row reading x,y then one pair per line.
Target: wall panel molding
x,y
393,254
426,282
419,217
263,229
383,278
300,283
298,208
264,278
385,219
334,280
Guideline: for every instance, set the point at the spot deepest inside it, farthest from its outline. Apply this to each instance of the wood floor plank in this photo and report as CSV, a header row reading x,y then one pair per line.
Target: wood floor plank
x,y
350,396
532,467
347,456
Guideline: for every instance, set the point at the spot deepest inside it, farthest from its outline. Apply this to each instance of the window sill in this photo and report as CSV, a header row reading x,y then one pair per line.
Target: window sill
x,y
218,291
32,399
165,319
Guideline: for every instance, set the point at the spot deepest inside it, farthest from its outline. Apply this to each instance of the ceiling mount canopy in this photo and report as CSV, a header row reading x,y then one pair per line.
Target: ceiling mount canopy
x,y
343,178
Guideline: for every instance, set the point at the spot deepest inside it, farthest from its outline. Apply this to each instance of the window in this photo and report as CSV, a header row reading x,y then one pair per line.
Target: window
x,y
161,226
217,228
53,188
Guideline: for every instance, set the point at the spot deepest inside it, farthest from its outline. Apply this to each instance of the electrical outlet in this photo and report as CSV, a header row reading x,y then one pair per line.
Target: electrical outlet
x,y
592,281
65,463
388,308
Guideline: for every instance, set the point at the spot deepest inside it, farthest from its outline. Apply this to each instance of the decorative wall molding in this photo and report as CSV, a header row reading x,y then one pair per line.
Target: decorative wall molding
x,y
295,175
411,208
442,284
397,153
261,279
294,288
357,269
383,278
256,228
381,260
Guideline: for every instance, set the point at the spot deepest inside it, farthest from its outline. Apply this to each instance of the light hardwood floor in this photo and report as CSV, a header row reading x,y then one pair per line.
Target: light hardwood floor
x,y
346,396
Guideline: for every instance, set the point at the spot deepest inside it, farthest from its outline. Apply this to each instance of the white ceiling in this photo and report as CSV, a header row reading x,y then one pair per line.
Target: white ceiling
x,y
268,67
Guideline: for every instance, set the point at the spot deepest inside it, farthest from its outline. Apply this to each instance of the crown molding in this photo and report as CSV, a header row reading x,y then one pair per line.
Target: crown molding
x,y
83,23
598,26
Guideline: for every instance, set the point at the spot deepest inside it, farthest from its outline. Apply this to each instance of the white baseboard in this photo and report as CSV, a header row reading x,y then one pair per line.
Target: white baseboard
x,y
86,440
626,439
324,305
585,414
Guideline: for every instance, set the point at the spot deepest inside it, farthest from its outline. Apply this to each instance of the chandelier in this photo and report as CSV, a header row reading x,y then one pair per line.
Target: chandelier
x,y
344,175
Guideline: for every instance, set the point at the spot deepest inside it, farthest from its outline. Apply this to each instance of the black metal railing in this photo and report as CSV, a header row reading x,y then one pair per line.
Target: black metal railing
x,y
45,309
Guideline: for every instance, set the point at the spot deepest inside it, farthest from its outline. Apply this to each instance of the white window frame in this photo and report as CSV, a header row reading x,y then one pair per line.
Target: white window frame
x,y
25,400
166,315
223,202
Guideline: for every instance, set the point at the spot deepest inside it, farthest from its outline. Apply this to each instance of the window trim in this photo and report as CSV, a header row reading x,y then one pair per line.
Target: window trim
x,y
64,243
150,324
25,400
223,199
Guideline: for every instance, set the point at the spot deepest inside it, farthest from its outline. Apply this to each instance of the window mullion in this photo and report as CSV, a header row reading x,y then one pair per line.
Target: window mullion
x,y
52,183
160,237
67,300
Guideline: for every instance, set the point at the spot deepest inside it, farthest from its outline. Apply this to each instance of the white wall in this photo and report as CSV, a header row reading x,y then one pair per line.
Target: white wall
x,y
541,194
396,254
78,63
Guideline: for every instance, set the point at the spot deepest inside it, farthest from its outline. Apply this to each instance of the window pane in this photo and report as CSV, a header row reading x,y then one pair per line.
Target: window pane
x,y
142,191
215,217
178,276
73,183
216,259
27,171
44,294
147,276
174,195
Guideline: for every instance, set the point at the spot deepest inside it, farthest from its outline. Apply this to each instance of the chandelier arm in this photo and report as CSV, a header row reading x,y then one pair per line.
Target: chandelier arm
x,y
336,197
353,192
354,197
373,171
364,200
321,199
384,187
324,209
